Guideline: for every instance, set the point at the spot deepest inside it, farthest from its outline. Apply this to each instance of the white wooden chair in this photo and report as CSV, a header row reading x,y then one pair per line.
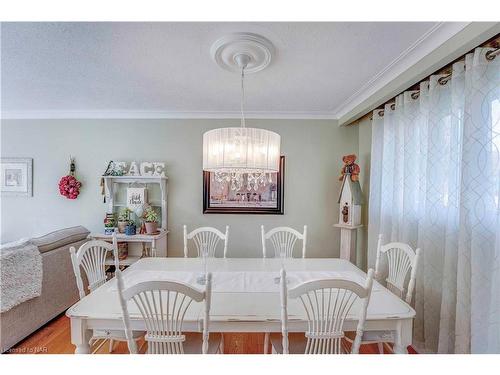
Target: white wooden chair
x,y
206,239
91,257
402,263
163,306
283,240
327,304
401,260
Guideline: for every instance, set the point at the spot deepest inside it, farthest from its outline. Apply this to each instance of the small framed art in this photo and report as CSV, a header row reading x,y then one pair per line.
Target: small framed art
x,y
16,177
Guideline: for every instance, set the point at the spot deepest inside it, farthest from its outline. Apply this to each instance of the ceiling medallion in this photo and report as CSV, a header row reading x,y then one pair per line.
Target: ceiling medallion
x,y
226,49
241,156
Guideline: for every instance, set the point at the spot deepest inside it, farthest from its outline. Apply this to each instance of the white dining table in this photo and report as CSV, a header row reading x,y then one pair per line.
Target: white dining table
x,y
245,298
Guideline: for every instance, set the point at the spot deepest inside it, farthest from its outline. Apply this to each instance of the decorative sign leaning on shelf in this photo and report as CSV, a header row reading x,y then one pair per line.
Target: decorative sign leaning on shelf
x,y
145,168
136,198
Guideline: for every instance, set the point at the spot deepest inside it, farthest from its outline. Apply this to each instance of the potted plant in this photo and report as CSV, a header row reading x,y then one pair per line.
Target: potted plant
x,y
109,223
123,219
151,220
130,228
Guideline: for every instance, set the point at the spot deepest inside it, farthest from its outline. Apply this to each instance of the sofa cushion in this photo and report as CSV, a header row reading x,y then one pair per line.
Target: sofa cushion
x,y
60,238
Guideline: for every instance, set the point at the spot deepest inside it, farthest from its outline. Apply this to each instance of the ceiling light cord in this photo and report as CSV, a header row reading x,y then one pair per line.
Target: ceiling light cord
x,y
242,96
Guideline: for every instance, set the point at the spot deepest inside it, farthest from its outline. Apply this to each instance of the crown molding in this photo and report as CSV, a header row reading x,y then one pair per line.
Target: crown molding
x,y
422,47
139,114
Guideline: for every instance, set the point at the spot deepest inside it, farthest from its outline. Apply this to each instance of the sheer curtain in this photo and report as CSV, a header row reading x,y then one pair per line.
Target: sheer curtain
x,y
435,184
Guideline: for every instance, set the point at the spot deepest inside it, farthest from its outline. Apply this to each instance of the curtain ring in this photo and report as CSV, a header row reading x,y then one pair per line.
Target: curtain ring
x,y
444,80
490,55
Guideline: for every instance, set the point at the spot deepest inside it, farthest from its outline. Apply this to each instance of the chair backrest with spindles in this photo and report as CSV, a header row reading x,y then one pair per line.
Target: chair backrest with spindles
x,y
327,303
163,306
91,257
206,238
283,240
401,259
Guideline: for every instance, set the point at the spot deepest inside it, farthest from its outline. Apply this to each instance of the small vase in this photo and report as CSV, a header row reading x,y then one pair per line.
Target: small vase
x,y
130,230
109,230
151,227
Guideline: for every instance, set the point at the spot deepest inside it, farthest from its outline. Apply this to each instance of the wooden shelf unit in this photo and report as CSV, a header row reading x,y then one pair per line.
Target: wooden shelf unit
x,y
158,242
109,186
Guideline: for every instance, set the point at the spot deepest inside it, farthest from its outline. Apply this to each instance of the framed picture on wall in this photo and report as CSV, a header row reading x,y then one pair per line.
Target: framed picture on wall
x,y
16,177
220,198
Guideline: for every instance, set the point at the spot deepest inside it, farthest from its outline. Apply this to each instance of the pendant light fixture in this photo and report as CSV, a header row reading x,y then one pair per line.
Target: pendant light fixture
x,y
241,156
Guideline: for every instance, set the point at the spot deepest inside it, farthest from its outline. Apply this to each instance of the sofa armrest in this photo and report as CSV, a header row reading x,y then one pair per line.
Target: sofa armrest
x,y
60,238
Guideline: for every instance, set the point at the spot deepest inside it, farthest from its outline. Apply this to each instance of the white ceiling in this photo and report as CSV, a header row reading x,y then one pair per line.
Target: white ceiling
x,y
165,69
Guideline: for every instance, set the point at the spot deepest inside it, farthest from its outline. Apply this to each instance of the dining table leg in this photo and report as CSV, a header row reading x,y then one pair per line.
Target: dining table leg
x,y
404,334
80,336
266,343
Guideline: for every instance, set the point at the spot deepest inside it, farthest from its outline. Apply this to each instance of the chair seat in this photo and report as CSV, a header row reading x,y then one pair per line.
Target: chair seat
x,y
115,335
194,342
371,337
296,343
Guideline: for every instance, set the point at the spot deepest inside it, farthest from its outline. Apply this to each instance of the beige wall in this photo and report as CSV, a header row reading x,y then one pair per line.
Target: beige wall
x,y
313,150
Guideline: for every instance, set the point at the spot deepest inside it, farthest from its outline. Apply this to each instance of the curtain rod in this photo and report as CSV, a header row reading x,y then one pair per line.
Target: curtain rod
x,y
490,55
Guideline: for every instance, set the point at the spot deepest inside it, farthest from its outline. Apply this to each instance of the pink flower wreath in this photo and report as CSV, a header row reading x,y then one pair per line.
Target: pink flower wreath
x,y
69,186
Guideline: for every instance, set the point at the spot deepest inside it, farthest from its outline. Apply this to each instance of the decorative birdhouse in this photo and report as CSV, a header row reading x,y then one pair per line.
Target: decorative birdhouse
x,y
350,201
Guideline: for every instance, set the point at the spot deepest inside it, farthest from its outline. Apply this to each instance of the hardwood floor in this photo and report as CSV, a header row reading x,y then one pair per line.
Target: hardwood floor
x,y
54,338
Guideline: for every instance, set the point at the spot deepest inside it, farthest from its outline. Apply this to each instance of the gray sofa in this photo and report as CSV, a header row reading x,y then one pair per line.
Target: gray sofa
x,y
59,290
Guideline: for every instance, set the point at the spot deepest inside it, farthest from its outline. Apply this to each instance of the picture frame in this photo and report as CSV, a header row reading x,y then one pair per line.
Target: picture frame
x,y
16,177
215,202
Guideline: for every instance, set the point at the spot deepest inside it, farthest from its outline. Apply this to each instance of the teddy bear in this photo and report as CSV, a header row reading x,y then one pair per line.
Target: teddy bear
x,y
350,167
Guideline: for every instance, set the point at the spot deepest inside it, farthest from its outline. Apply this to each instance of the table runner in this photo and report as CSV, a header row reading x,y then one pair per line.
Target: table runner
x,y
237,282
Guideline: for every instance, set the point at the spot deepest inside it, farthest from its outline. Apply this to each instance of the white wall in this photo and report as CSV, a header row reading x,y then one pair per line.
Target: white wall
x,y
313,150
